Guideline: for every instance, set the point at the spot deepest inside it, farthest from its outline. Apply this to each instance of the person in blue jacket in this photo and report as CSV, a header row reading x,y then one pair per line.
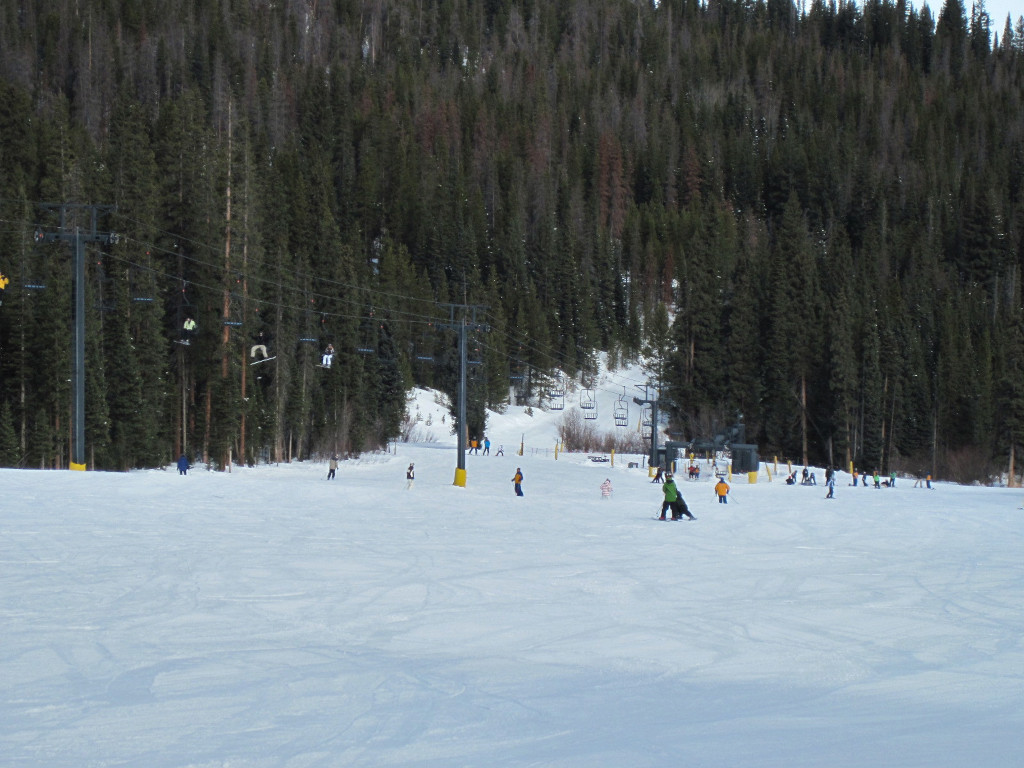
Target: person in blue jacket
x,y
183,465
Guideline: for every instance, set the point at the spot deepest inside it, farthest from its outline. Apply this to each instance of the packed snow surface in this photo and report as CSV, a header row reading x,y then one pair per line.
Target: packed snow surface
x,y
269,617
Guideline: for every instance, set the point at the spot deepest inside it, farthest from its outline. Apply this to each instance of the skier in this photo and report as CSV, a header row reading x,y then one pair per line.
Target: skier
x,y
673,500
722,489
183,465
877,479
328,356
410,475
487,445
606,488
658,476
188,330
500,451
831,486
332,467
518,480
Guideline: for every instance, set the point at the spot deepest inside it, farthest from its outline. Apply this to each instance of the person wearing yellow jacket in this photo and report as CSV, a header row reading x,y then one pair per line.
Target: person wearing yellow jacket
x,y
722,489
4,280
518,480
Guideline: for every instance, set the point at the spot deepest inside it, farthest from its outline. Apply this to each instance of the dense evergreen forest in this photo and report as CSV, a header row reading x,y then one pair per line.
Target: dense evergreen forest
x,y
812,216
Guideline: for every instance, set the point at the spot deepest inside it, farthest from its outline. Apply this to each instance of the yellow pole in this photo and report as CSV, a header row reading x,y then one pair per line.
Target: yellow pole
x,y
460,478
613,457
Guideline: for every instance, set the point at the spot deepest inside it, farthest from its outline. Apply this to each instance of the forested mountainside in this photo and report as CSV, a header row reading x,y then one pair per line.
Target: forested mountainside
x,y
809,215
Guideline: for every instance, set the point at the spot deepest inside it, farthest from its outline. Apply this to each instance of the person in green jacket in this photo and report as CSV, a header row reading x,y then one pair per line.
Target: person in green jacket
x,y
673,500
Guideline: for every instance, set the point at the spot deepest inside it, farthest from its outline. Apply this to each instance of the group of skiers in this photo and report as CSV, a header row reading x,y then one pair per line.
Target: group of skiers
x,y
475,445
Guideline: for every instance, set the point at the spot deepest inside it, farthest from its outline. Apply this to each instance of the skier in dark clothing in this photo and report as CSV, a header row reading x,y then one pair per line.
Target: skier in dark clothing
x,y
183,465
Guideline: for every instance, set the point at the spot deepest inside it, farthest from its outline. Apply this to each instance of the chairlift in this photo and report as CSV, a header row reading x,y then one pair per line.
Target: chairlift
x,y
136,281
185,311
556,394
106,300
588,400
29,279
311,326
621,412
647,423
590,413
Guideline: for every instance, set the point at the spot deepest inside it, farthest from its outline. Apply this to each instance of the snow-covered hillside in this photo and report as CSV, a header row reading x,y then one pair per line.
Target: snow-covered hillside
x,y
269,617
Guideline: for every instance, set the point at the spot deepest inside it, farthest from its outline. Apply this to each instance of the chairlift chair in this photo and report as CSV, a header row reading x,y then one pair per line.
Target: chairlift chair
x,y
30,281
621,412
136,281
590,413
647,423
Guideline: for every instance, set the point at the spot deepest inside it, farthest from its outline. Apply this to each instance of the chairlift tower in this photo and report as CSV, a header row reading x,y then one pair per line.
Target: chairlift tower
x,y
77,236
651,398
462,325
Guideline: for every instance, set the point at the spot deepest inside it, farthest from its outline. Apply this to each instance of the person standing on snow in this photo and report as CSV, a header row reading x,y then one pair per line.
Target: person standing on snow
x,y
606,488
831,486
183,465
518,480
332,467
673,500
722,489
410,475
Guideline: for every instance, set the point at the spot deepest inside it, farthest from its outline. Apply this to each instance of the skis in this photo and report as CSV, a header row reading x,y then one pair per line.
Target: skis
x,y
265,359
673,519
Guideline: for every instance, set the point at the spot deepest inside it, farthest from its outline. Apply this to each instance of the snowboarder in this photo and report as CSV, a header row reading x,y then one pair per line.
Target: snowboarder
x,y
332,467
259,344
410,475
518,480
722,490
183,465
606,488
658,476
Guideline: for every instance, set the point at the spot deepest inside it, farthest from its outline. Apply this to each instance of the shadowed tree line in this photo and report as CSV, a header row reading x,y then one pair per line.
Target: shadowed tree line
x,y
828,202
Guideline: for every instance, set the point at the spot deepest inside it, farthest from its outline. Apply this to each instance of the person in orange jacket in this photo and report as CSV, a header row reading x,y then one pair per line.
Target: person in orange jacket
x,y
722,489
